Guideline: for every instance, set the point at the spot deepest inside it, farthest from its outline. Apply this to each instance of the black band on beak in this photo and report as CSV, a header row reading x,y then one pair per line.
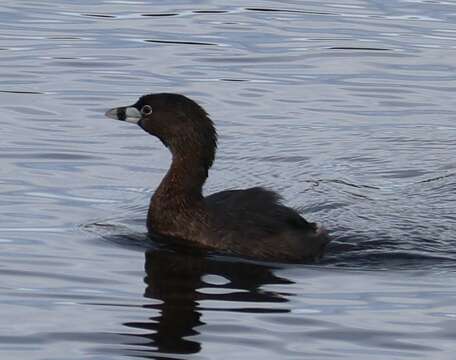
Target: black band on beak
x,y
121,115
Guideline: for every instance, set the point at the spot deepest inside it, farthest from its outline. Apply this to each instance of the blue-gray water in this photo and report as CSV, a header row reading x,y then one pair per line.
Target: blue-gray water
x,y
348,108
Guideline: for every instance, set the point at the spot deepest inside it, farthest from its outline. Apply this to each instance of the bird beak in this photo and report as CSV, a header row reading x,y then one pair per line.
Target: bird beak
x,y
127,113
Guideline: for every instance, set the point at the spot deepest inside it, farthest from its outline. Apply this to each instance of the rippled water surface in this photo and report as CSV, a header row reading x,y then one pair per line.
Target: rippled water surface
x,y
347,108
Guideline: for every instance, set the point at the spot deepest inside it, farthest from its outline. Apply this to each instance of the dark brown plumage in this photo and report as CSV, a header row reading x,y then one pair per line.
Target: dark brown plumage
x,y
251,223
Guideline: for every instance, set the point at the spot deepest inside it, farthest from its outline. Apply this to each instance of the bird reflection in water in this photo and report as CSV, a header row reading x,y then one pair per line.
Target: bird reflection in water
x,y
176,278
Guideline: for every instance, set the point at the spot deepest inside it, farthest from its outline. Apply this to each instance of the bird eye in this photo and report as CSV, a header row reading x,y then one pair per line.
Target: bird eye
x,y
146,110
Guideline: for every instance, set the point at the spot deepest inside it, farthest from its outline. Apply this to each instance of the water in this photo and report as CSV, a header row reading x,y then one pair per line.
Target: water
x,y
346,108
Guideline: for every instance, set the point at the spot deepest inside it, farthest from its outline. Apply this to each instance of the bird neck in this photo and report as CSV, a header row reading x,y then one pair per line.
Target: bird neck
x,y
182,186
177,208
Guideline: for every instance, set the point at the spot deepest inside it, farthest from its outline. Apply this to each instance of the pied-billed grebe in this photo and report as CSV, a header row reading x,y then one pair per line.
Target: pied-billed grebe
x,y
249,223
